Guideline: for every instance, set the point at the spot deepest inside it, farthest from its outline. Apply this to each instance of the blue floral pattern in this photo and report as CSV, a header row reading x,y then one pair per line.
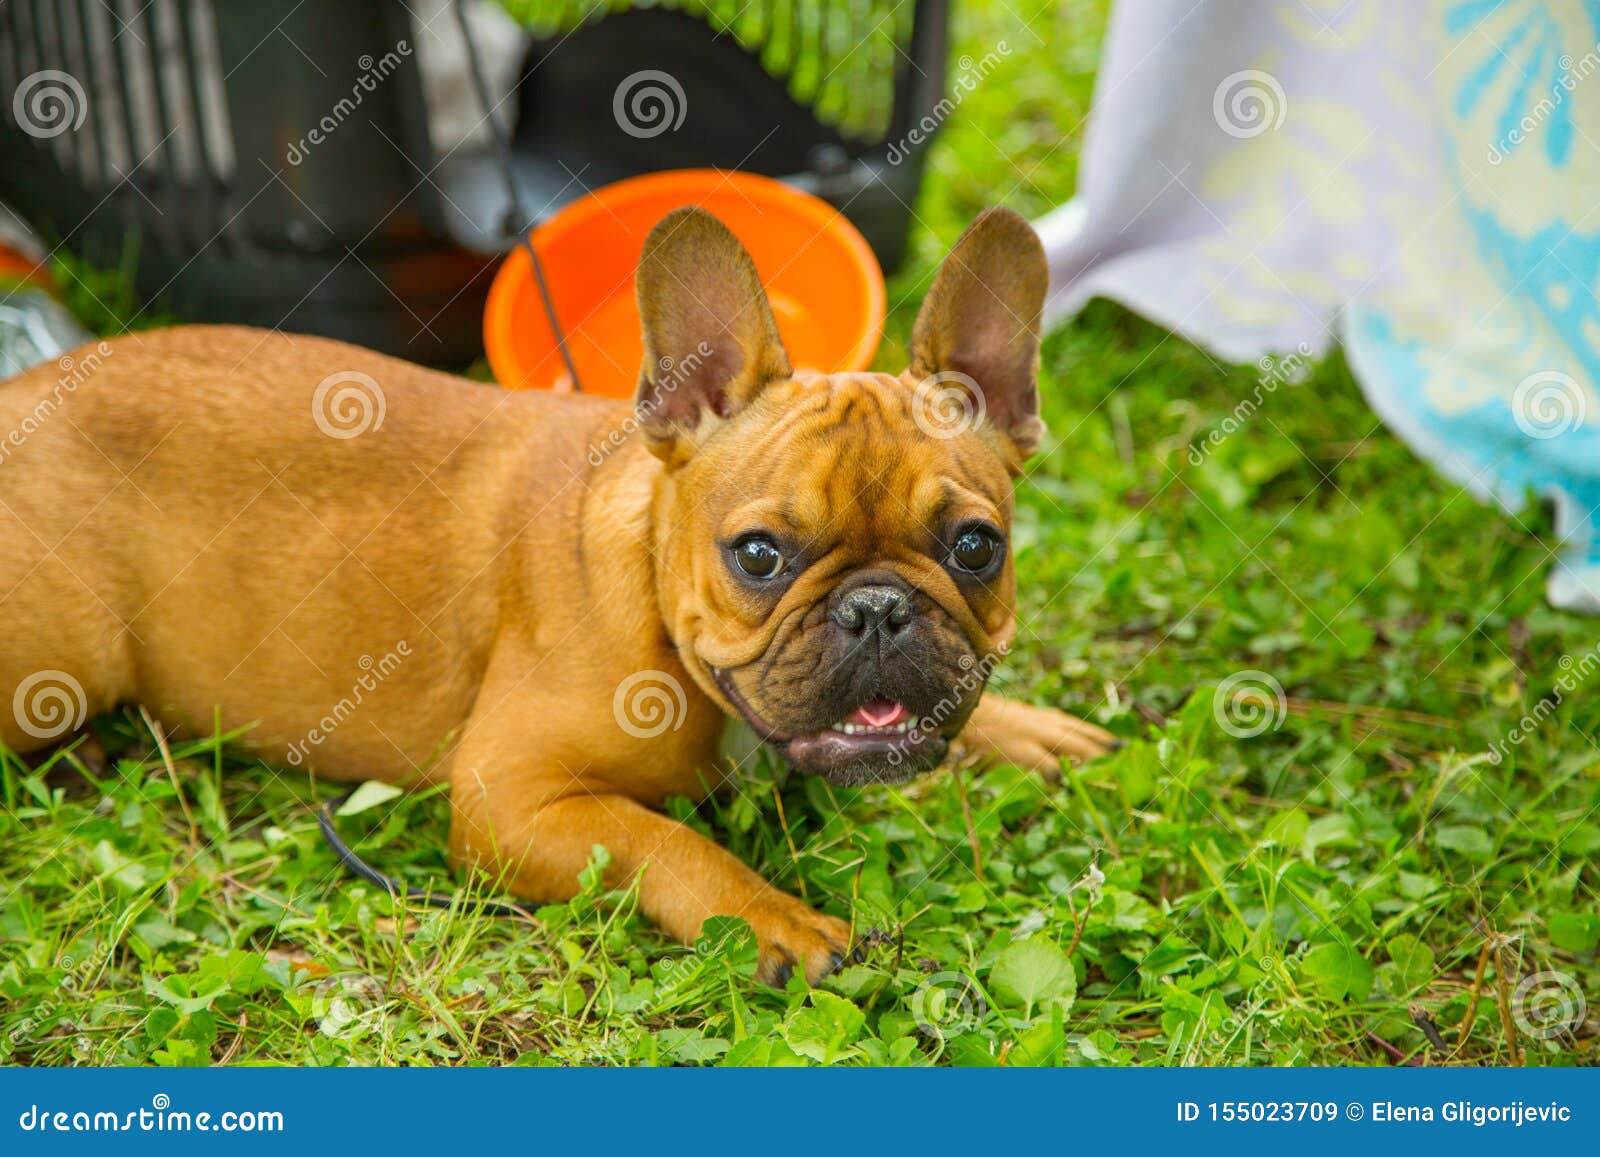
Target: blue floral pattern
x,y
1493,374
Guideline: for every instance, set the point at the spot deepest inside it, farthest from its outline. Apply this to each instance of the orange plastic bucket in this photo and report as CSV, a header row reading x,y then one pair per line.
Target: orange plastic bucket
x,y
824,283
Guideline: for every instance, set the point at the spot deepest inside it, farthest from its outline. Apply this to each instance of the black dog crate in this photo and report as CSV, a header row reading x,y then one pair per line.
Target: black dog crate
x,y
186,128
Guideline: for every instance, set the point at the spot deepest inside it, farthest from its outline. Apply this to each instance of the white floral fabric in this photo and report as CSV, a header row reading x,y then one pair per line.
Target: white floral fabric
x,y
1417,180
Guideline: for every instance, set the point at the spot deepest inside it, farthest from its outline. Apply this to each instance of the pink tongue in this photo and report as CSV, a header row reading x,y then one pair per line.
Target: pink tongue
x,y
878,713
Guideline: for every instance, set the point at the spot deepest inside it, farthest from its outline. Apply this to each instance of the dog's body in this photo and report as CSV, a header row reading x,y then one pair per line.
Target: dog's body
x,y
180,533
519,594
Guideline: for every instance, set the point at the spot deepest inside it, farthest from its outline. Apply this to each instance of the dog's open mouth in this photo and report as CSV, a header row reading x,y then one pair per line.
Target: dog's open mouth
x,y
880,741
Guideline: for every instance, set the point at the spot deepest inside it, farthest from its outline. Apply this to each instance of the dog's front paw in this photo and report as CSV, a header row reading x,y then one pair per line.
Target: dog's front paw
x,y
1037,738
793,935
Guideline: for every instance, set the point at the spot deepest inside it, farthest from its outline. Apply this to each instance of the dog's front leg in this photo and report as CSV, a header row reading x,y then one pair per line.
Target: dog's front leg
x,y
1005,731
536,836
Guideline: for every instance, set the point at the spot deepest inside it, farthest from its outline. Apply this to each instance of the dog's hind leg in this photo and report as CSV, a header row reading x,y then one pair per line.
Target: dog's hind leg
x,y
64,655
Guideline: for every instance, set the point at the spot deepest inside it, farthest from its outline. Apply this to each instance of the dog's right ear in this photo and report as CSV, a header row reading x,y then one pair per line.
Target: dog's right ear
x,y
710,341
978,329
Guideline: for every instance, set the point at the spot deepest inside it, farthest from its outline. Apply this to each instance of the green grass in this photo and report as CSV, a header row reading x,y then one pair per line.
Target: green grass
x,y
1313,894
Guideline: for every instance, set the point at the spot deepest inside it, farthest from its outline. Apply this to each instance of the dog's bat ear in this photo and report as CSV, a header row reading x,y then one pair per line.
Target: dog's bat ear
x,y
710,340
979,325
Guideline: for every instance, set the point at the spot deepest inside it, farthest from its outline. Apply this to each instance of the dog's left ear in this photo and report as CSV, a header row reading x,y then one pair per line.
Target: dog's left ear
x,y
979,325
710,341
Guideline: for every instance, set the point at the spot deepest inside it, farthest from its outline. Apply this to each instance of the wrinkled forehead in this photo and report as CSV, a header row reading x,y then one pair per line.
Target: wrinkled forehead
x,y
846,454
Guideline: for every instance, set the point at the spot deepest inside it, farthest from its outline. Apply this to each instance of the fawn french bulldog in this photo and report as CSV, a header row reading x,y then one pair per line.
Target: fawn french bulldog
x,y
192,529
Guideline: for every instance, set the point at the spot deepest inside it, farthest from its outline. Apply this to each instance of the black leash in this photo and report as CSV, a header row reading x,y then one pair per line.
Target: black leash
x,y
518,217
325,820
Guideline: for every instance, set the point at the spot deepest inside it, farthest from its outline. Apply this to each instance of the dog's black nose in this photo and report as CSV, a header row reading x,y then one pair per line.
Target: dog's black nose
x,y
873,608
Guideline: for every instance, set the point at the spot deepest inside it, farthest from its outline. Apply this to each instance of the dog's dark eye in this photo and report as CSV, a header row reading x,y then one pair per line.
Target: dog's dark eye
x,y
975,550
758,556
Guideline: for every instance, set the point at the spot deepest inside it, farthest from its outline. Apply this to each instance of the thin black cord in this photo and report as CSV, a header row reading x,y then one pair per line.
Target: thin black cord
x,y
502,147
325,820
